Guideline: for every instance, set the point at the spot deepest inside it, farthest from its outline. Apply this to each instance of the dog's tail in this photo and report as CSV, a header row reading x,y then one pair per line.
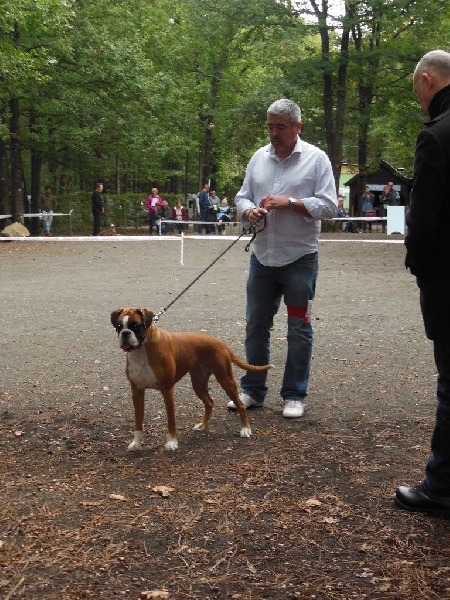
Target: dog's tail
x,y
241,363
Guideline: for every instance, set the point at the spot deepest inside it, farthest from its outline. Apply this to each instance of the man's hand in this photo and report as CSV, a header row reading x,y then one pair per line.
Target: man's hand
x,y
252,215
273,202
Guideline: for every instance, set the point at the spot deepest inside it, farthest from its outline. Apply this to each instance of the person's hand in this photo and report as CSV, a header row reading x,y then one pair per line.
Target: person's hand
x,y
254,215
273,202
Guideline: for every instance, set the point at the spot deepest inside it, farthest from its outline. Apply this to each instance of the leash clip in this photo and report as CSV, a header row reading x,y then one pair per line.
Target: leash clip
x,y
158,314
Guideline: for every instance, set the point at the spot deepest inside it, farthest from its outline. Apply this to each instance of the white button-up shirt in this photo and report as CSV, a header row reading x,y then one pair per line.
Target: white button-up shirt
x,y
305,175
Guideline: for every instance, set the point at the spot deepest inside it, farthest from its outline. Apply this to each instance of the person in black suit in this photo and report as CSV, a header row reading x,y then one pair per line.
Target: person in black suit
x,y
97,207
428,258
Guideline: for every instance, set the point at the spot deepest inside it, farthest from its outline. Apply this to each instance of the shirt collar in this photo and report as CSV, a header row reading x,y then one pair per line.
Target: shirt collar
x,y
297,149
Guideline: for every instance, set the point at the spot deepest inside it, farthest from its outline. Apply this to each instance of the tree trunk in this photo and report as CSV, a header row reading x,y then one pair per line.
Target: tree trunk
x,y
366,85
36,169
16,163
5,202
209,170
341,93
118,173
207,149
334,100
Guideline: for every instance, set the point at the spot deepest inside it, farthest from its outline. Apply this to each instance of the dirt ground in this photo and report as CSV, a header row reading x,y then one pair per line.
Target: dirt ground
x,y
301,510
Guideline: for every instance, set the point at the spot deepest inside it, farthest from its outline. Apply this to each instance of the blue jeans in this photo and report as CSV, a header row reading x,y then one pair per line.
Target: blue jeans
x,y
47,219
266,286
204,216
165,227
437,477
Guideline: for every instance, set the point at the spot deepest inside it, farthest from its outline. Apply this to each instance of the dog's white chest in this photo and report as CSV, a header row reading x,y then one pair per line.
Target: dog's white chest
x,y
139,371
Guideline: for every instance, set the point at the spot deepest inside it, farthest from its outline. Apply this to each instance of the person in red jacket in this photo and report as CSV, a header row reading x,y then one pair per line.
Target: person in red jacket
x,y
153,203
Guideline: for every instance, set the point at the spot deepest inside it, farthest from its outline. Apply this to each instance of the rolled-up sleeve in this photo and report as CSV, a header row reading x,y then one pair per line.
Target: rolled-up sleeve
x,y
323,205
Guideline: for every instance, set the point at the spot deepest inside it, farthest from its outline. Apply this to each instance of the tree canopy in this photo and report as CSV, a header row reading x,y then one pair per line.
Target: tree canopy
x,y
173,93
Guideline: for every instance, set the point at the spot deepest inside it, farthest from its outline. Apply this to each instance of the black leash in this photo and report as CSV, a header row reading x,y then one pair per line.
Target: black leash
x,y
251,228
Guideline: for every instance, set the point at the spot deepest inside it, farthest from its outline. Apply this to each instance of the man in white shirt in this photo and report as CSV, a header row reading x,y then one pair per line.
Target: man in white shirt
x,y
287,190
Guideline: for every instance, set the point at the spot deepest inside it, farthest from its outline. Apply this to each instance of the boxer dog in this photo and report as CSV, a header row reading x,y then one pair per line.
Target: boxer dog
x,y
157,359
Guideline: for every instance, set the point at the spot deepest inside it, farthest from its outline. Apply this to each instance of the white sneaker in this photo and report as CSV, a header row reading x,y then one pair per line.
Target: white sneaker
x,y
293,409
246,400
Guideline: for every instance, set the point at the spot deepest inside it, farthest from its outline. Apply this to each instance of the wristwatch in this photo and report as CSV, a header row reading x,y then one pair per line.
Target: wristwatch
x,y
293,202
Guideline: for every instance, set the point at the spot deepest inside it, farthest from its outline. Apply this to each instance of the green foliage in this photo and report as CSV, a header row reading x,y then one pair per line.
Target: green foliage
x,y
159,93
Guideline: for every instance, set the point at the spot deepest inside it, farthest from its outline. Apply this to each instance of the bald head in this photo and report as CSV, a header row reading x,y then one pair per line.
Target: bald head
x,y
431,74
436,62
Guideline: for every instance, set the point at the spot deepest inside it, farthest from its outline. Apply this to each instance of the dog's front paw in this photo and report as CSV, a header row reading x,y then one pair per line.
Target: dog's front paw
x,y
136,444
246,432
171,444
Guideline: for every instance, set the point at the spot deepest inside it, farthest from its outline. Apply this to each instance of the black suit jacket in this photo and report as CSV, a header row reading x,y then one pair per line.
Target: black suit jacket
x,y
428,237
97,202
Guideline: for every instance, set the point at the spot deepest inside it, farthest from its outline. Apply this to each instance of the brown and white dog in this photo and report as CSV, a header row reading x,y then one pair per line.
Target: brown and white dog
x,y
157,359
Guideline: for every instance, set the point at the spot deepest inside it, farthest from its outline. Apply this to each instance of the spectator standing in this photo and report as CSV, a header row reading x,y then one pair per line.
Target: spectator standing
x,y
98,207
153,203
367,200
164,214
214,201
382,208
47,204
428,258
287,190
392,197
179,214
204,207
389,197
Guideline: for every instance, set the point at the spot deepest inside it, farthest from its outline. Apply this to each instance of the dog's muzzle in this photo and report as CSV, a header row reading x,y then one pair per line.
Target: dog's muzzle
x,y
131,338
126,340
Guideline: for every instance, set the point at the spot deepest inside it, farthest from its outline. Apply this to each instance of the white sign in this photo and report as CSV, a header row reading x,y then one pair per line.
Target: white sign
x,y
395,219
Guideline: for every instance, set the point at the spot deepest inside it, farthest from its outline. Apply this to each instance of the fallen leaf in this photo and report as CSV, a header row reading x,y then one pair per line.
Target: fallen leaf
x,y
163,490
251,568
330,520
148,595
313,502
117,497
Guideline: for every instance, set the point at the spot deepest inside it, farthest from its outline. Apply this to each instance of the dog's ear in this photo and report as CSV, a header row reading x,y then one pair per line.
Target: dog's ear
x,y
115,316
147,317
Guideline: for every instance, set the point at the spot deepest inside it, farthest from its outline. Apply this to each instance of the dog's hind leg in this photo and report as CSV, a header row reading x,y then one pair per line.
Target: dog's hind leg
x,y
138,403
200,380
227,382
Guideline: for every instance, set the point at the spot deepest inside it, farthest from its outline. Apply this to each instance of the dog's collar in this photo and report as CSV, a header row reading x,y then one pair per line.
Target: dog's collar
x,y
158,314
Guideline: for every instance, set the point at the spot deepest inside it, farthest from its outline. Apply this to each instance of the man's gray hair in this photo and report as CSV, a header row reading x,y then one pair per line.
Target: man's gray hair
x,y
286,107
437,61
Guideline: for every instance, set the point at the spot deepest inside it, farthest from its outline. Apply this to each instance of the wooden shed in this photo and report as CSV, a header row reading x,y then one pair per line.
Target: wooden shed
x,y
376,182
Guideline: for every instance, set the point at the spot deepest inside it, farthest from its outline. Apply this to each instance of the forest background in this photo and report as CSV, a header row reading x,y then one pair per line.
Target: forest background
x,y
172,93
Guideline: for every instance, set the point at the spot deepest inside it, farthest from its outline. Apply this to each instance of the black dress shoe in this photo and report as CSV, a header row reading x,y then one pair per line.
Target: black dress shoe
x,y
416,499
